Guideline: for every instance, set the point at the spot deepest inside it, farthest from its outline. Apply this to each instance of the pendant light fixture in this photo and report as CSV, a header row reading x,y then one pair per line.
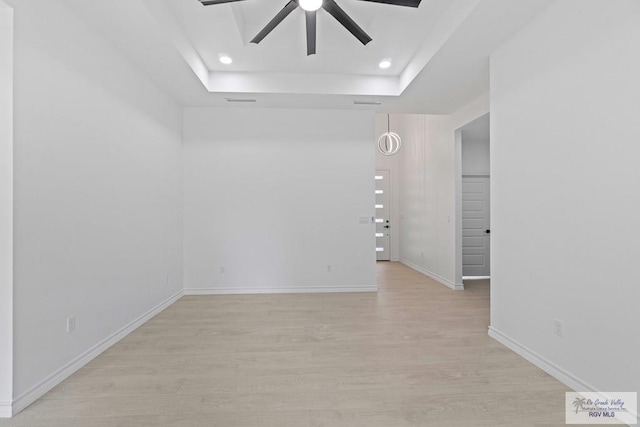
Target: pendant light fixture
x,y
389,143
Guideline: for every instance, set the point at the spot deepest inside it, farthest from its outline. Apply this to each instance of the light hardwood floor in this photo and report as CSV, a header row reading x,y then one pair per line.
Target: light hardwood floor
x,y
414,354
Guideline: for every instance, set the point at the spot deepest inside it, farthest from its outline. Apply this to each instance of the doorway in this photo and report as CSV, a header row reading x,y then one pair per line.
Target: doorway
x,y
473,218
475,227
382,216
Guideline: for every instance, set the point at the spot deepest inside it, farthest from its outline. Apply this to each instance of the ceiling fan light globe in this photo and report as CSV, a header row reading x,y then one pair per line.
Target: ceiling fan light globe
x,y
310,5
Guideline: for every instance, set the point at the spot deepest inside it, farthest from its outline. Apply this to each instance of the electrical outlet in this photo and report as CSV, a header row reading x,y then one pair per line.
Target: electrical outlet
x,y
71,323
558,328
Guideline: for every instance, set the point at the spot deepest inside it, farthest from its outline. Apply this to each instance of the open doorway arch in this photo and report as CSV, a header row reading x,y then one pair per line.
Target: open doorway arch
x,y
472,200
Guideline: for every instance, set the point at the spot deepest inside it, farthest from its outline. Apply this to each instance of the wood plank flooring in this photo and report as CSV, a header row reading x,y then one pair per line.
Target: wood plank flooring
x,y
414,354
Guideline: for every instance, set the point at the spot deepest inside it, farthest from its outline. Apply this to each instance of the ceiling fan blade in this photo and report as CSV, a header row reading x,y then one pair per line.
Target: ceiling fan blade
x,y
408,3
210,2
311,32
342,17
289,7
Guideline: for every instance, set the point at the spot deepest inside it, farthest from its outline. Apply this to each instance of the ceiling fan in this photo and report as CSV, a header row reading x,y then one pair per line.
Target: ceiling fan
x,y
311,7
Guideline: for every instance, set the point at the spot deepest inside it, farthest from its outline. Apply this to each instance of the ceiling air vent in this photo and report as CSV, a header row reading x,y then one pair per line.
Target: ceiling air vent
x,y
240,100
356,102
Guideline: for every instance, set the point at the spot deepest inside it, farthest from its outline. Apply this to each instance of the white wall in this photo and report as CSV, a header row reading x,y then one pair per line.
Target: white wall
x,y
475,156
97,192
427,195
6,209
393,165
565,195
274,197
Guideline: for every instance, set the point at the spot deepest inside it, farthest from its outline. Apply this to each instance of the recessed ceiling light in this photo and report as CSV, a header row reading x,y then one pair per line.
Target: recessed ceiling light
x,y
310,5
384,64
225,59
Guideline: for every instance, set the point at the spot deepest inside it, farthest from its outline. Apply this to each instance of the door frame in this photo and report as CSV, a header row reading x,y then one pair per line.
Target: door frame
x,y
458,207
458,199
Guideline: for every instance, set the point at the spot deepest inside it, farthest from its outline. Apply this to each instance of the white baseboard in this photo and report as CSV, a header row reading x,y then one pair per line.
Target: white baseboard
x,y
63,373
562,375
311,290
5,410
549,367
434,276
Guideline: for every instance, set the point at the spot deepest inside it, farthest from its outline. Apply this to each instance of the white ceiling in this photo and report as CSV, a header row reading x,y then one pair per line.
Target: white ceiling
x,y
228,28
439,51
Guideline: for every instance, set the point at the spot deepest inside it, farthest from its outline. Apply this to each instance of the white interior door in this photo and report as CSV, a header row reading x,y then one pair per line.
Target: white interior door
x,y
475,226
383,240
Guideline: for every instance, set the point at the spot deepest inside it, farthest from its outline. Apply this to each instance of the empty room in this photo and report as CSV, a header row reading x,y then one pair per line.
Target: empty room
x,y
319,212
